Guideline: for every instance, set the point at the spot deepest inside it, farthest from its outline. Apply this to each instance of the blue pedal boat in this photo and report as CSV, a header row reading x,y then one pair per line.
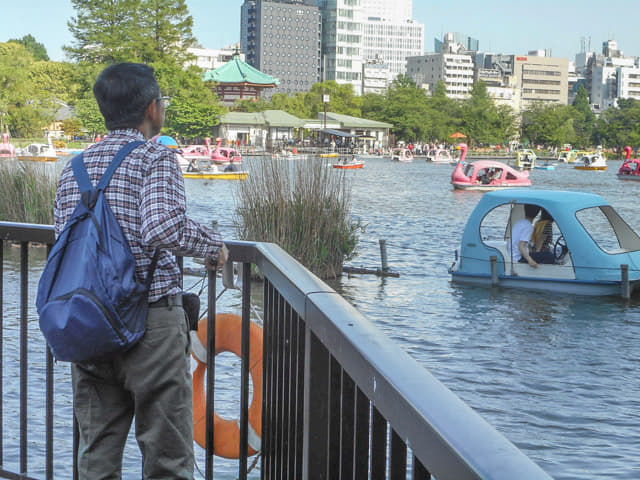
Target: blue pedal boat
x,y
596,251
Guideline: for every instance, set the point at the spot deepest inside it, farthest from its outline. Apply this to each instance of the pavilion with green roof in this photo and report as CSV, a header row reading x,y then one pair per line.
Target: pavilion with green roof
x,y
237,80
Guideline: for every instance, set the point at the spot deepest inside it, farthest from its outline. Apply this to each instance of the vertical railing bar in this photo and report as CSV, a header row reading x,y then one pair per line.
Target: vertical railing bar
x,y
398,457
279,380
49,405
361,454
378,445
270,428
24,305
316,408
300,397
293,394
266,383
1,352
76,445
244,387
335,392
211,374
273,374
419,471
347,425
286,389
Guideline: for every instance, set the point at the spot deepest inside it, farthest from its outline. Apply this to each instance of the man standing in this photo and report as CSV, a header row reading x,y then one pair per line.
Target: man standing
x,y
152,380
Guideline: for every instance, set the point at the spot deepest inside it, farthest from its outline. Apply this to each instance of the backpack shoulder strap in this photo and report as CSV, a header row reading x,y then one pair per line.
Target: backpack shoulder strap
x,y
115,163
81,175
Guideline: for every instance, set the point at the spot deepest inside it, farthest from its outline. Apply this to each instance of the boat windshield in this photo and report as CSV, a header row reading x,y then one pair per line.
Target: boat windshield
x,y
608,230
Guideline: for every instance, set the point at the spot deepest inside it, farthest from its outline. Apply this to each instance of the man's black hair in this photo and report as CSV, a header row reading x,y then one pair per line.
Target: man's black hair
x,y
530,211
123,92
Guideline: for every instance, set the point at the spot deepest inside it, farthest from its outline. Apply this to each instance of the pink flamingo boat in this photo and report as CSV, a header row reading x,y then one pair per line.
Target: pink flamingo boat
x,y
7,150
486,175
630,169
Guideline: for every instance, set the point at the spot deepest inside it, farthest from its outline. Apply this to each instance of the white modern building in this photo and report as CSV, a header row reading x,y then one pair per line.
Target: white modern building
x,y
454,68
355,32
209,59
629,82
376,76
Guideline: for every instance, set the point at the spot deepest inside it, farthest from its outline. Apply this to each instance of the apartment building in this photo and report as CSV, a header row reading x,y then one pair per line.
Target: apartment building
x,y
283,38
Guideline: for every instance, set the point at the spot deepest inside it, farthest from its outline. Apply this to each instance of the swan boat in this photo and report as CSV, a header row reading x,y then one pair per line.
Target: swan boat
x,y
591,161
486,175
7,150
401,155
440,155
630,169
596,252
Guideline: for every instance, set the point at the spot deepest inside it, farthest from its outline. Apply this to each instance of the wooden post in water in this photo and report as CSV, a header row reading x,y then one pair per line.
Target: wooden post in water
x,y
494,270
383,255
624,284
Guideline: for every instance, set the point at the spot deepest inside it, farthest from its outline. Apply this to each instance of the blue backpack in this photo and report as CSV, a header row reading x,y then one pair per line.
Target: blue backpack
x,y
90,301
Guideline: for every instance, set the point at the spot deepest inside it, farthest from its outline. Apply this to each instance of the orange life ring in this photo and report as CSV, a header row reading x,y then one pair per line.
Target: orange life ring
x,y
226,442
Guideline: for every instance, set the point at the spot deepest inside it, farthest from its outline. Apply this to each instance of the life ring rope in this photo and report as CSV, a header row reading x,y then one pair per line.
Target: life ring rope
x,y
228,339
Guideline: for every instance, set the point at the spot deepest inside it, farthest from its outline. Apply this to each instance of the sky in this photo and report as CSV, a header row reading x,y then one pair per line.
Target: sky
x,y
510,27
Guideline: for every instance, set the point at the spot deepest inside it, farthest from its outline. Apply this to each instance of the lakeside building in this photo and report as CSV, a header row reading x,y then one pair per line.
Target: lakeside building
x,y
452,65
209,59
356,32
283,38
264,130
237,80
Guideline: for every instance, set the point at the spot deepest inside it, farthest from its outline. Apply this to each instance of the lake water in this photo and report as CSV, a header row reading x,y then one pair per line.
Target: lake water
x,y
556,374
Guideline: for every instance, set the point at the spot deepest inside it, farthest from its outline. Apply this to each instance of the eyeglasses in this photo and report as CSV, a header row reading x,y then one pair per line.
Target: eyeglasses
x,y
166,101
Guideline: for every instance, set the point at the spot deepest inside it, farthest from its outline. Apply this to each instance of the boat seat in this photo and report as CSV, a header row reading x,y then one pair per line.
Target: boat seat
x,y
563,271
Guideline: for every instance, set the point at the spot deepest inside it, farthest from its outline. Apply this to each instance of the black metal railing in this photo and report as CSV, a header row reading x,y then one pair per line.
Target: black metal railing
x,y
339,399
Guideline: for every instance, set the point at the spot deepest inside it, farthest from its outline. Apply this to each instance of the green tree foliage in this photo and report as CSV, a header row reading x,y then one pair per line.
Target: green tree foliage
x,y
549,124
109,31
482,120
166,30
88,113
36,48
620,126
105,31
584,119
56,80
23,107
405,109
195,109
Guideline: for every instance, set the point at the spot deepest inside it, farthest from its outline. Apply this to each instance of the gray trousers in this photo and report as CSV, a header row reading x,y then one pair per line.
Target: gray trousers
x,y
151,382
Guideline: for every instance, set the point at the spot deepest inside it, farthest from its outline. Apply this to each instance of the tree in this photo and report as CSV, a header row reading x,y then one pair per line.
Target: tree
x,y
166,28
195,109
584,119
549,124
620,126
105,31
36,48
149,31
482,120
88,112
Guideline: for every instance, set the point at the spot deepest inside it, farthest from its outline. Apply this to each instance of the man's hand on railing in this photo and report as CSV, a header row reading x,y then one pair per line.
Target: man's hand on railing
x,y
211,262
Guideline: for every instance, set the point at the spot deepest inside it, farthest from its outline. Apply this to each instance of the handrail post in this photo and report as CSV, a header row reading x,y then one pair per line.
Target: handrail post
x,y
494,270
624,284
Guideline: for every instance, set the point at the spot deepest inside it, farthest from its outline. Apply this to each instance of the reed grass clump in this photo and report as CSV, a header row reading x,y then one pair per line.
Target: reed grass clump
x,y
27,192
304,207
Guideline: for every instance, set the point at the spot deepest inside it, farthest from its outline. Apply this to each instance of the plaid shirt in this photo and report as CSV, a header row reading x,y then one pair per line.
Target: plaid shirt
x,y
147,197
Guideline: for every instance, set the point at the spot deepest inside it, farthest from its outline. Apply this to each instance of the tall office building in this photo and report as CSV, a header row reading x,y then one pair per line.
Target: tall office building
x,y
469,44
358,32
282,38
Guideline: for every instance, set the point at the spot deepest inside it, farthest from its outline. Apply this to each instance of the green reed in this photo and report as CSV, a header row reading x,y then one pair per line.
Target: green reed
x,y
304,206
27,192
